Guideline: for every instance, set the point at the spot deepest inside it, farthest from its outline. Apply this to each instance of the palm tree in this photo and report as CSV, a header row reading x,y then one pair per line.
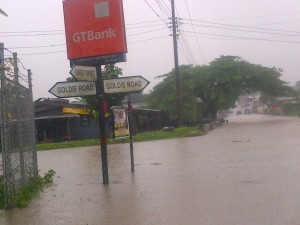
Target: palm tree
x,y
2,12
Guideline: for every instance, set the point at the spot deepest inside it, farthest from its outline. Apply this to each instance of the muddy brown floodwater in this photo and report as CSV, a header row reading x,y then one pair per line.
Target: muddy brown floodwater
x,y
246,172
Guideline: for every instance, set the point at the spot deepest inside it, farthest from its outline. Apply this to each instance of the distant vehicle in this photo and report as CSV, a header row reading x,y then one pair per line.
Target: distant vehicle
x,y
239,112
228,113
247,111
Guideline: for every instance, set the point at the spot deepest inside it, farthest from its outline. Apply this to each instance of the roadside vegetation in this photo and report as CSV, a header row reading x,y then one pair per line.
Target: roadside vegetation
x,y
205,89
208,89
146,136
23,197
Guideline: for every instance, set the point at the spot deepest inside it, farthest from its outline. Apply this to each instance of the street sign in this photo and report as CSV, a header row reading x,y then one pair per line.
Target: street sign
x,y
94,28
125,84
73,89
84,73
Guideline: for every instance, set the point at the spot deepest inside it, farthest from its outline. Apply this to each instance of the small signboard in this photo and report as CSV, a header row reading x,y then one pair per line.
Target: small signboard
x,y
73,89
125,84
85,120
121,125
79,111
84,73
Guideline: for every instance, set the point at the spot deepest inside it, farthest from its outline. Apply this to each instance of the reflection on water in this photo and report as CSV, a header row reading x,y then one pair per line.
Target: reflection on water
x,y
244,172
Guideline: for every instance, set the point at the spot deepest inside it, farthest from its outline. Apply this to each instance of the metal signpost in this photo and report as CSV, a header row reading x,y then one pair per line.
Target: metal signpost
x,y
95,36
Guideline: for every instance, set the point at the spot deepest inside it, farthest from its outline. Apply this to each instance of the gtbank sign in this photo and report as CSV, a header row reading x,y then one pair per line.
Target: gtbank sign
x,y
94,27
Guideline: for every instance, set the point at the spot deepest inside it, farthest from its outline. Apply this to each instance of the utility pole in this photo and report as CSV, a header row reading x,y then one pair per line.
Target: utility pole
x,y
178,93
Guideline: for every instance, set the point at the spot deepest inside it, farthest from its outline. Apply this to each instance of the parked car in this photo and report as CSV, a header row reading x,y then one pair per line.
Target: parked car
x,y
247,111
239,112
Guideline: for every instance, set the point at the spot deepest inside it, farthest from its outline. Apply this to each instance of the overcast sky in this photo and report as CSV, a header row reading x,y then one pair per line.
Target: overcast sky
x,y
261,32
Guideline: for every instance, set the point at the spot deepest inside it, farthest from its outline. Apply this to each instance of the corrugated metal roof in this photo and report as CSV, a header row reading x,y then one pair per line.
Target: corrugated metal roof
x,y
57,117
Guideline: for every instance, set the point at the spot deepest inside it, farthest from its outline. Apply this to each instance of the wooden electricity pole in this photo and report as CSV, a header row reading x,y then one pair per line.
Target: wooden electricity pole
x,y
178,93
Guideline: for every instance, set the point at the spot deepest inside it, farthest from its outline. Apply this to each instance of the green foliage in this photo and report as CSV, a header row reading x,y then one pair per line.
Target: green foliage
x,y
48,177
146,136
67,144
25,195
2,197
176,133
216,86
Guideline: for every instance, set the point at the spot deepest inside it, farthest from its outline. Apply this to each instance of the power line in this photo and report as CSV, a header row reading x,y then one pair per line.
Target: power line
x,y
145,32
20,32
41,53
30,35
185,44
164,8
150,39
256,17
155,12
243,30
183,41
152,25
247,38
198,44
53,52
278,23
249,27
152,21
185,54
38,46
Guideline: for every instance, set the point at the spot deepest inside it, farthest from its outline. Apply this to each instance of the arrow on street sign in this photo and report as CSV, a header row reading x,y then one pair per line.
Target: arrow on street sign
x,y
125,84
73,89
84,73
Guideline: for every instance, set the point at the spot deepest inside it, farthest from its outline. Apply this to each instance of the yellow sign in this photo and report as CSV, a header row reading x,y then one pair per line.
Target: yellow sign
x,y
79,111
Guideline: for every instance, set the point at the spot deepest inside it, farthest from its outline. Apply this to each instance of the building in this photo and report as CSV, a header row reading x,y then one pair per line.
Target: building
x,y
60,120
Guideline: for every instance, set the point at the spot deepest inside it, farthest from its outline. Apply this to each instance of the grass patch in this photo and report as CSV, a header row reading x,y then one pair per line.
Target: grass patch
x,y
295,112
25,195
146,136
176,133
67,144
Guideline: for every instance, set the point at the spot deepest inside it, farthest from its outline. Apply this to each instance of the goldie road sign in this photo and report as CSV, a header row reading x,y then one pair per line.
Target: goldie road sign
x,y
73,89
125,84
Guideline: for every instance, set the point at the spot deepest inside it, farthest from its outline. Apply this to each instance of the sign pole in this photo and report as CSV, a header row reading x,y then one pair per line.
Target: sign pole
x,y
103,144
130,132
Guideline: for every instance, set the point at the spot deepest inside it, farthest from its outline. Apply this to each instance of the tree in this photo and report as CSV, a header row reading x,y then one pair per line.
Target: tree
x,y
215,87
297,85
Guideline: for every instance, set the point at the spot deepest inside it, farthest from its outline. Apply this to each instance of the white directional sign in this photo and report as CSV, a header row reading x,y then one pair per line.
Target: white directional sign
x,y
84,73
125,84
73,89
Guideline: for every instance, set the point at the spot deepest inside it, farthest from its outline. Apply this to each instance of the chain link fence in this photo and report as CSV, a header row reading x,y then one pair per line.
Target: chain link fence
x,y
18,152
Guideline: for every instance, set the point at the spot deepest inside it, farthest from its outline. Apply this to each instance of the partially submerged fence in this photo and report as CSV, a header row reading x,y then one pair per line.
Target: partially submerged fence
x,y
17,130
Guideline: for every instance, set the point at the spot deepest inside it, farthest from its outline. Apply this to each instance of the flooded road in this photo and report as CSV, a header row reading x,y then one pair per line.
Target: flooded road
x,y
246,172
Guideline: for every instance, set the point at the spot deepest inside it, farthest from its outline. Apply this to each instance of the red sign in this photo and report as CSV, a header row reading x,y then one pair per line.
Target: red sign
x,y
94,27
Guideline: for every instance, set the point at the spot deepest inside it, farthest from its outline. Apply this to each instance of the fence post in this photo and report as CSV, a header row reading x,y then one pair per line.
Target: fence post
x,y
33,141
19,119
6,157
